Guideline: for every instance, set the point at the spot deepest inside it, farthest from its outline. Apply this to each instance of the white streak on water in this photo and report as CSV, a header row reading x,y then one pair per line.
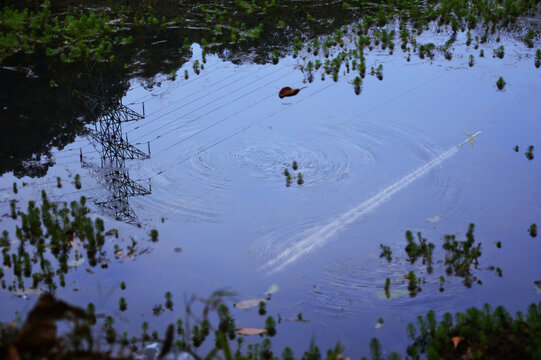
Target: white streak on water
x,y
318,236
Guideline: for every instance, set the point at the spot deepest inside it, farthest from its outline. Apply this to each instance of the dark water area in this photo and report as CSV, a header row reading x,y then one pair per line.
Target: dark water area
x,y
202,161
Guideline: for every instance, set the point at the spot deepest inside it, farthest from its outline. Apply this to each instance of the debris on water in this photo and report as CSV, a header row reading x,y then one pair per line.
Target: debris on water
x,y
273,289
434,219
379,323
75,263
178,249
27,292
250,331
246,304
287,91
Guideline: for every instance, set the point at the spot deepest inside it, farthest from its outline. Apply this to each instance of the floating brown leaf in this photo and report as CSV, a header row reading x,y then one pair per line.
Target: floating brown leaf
x,y
246,304
250,331
456,340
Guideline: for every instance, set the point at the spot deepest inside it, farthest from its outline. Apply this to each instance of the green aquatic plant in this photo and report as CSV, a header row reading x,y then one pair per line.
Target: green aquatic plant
x,y
169,301
481,53
300,180
537,62
501,83
516,148
154,235
413,284
123,285
471,61
77,180
387,288
533,230
442,280
461,256
58,182
13,209
499,244
122,304
385,252
186,76
294,165
357,82
270,326
262,308
529,153
499,52
15,191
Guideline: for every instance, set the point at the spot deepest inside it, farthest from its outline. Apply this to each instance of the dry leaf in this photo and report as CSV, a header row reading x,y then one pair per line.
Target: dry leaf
x,y
406,276
246,304
250,331
340,356
456,340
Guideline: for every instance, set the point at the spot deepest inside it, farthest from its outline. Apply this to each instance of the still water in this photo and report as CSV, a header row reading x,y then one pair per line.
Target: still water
x,y
207,172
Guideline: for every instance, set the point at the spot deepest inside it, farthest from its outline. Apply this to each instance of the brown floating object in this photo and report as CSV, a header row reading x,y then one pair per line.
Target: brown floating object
x,y
287,91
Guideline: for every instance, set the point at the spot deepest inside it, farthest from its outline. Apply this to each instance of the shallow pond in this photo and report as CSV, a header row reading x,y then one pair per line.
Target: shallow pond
x,y
373,165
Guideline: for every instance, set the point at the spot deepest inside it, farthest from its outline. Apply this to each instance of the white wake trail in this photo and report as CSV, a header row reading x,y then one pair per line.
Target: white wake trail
x,y
318,236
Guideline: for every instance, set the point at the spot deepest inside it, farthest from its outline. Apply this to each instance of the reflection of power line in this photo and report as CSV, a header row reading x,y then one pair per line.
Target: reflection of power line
x,y
114,150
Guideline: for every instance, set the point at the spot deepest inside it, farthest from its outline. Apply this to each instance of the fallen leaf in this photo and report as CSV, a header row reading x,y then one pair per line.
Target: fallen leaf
x,y
340,356
406,276
273,289
246,304
434,218
250,331
456,340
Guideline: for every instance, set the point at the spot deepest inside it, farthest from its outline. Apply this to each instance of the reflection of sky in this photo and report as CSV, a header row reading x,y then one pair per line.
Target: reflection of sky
x,y
219,147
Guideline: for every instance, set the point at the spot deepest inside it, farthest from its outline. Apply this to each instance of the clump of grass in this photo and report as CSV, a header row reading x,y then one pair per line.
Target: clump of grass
x,y
482,53
387,288
295,166
300,180
15,191
123,285
501,83
537,62
516,148
186,75
58,182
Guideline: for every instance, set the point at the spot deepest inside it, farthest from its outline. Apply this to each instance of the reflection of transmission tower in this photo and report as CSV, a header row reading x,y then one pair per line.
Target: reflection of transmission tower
x,y
114,151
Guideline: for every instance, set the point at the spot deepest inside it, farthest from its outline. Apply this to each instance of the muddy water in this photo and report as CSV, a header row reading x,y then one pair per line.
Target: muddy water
x,y
374,166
